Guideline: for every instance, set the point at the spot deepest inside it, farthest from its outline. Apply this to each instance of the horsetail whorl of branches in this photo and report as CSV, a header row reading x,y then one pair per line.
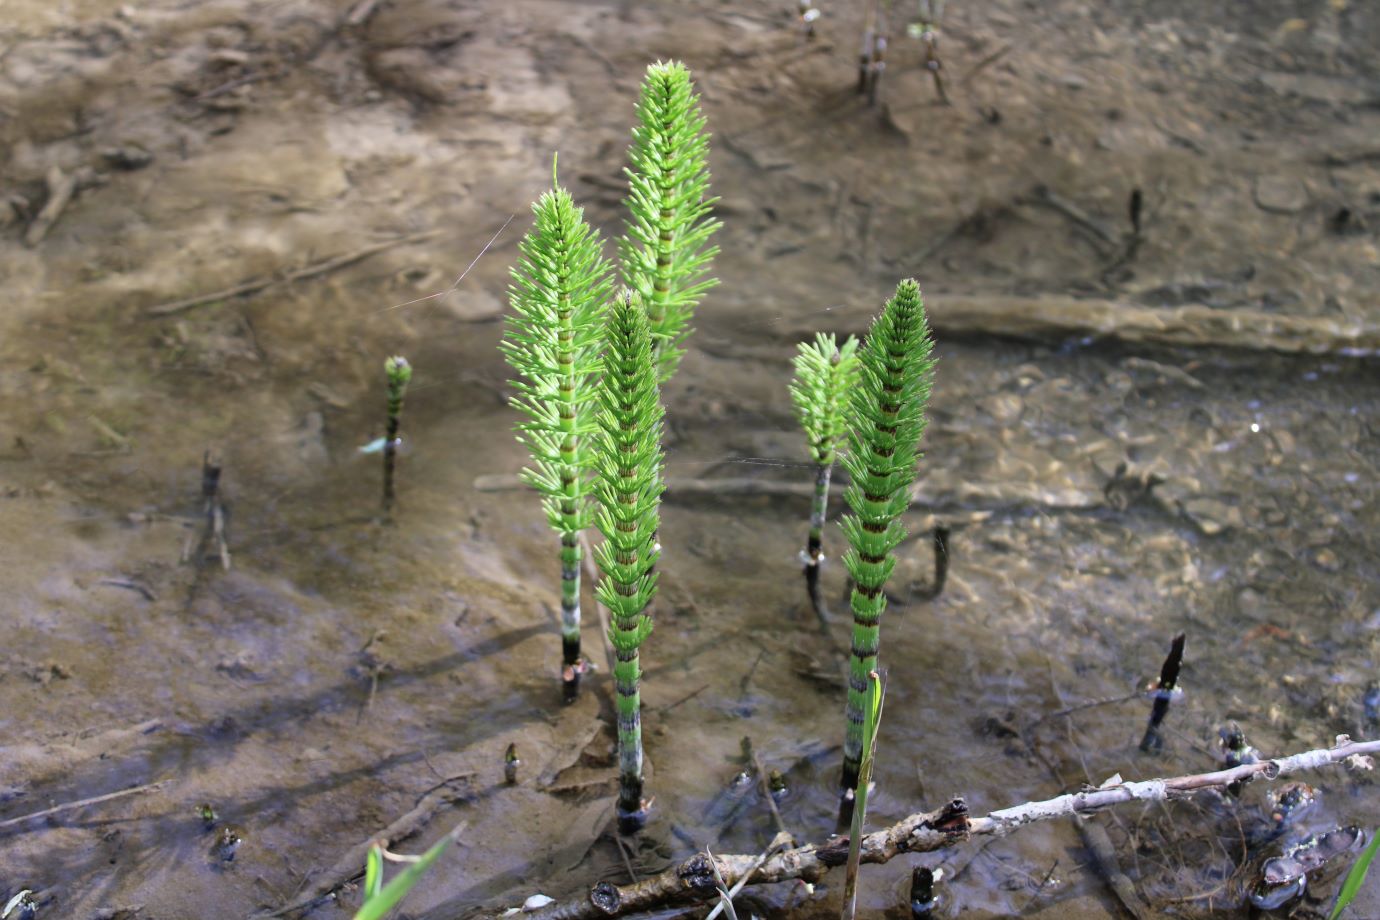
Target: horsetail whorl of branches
x,y
628,463
825,372
665,252
399,374
886,415
552,338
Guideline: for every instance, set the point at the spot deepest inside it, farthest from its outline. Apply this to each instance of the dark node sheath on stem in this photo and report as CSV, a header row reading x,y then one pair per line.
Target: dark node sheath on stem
x,y
923,900
1163,692
571,669
814,545
210,480
632,810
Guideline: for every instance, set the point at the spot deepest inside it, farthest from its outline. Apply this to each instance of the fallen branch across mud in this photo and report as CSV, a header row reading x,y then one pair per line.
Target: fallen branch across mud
x,y
959,500
81,803
1193,324
315,269
694,879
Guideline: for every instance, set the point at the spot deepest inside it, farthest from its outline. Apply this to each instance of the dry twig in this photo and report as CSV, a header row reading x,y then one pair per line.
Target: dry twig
x,y
81,803
313,270
694,879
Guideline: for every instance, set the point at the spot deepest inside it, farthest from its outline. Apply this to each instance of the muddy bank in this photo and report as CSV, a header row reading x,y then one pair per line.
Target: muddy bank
x,y
343,670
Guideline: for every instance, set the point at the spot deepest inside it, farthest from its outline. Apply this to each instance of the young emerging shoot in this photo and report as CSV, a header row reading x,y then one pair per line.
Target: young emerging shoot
x,y
560,287
628,461
399,374
825,372
665,252
876,695
886,416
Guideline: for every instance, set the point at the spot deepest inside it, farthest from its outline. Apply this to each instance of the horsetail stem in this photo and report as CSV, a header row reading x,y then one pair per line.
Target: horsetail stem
x,y
551,339
886,415
824,374
399,373
628,463
665,251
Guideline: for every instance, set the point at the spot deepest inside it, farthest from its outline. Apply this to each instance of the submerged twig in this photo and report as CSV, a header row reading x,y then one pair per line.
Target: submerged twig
x,y
82,803
692,880
325,266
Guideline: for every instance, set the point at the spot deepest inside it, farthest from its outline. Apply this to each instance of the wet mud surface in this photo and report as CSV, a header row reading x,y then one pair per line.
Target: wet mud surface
x,y
1103,495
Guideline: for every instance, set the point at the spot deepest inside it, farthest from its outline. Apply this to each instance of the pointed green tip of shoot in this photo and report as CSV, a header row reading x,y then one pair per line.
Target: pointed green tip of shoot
x,y
666,250
399,372
555,174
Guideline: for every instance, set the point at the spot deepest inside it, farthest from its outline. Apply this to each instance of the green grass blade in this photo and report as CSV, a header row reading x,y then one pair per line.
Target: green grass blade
x,y
373,873
1355,878
876,693
377,907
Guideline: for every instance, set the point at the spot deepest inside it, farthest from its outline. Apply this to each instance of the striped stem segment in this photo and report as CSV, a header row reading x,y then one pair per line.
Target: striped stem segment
x,y
399,374
887,418
814,544
558,294
628,463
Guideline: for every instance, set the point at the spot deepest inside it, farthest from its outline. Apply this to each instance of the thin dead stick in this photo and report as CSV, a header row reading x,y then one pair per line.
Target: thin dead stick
x,y
765,783
456,283
964,502
782,841
82,803
1044,318
311,271
361,12
694,880
986,62
61,188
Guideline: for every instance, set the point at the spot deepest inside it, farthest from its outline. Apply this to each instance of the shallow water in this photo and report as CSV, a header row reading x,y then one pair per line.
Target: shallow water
x,y
254,689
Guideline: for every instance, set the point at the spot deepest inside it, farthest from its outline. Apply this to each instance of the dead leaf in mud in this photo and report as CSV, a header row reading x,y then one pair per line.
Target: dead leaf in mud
x,y
584,832
568,754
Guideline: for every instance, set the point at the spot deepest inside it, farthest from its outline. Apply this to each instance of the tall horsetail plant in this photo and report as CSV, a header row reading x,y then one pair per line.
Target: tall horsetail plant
x,y
886,415
628,462
552,338
399,374
665,252
825,372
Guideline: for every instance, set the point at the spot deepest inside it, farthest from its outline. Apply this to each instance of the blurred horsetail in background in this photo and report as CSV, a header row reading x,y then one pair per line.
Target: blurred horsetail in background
x,y
886,419
552,338
824,374
399,374
665,250
628,459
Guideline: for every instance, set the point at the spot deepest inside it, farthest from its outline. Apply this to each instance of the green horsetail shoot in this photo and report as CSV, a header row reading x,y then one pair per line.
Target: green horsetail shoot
x,y
886,415
665,251
825,372
552,339
399,374
628,460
